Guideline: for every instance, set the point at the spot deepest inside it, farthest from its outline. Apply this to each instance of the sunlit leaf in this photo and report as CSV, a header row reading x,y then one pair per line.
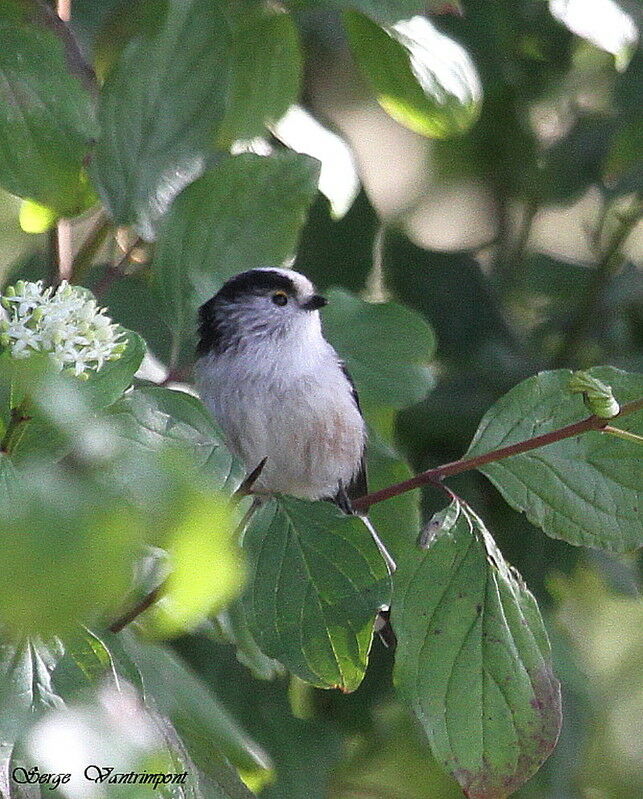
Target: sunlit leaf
x,y
421,78
602,22
338,179
315,584
207,569
60,517
36,218
587,490
473,661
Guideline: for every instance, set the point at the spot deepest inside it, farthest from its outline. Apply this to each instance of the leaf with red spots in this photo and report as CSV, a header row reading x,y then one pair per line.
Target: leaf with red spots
x,y
473,660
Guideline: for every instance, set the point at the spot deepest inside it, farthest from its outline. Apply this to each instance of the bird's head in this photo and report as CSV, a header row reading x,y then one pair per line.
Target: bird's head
x,y
257,304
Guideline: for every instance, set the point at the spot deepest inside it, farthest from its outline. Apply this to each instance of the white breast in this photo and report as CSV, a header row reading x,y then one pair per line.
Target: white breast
x,y
294,407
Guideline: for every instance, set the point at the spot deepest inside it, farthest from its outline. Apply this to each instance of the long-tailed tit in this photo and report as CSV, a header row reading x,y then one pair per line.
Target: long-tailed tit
x,y
279,390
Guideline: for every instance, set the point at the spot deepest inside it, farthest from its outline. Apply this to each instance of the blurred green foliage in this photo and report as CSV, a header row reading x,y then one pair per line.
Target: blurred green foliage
x,y
120,485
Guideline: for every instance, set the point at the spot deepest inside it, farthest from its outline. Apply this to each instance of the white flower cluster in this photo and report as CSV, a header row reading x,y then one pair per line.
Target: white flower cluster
x,y
65,322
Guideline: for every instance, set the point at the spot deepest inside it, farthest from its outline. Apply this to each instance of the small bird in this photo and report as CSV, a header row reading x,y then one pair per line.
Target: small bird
x,y
280,392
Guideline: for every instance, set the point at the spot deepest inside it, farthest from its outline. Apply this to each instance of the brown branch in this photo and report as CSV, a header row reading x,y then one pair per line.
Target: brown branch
x,y
156,593
114,271
90,247
436,475
147,601
78,66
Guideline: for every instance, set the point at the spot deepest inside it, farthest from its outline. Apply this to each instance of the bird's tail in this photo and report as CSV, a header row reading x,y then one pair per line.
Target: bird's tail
x,y
388,559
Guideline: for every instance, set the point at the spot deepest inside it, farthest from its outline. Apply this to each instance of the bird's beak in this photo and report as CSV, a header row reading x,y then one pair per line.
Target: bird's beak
x,y
314,303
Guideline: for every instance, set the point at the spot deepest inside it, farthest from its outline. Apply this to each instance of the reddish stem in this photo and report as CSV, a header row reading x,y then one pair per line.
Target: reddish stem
x,y
436,475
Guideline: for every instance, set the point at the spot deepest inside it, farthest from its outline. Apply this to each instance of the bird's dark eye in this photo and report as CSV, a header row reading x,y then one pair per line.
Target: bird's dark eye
x,y
280,298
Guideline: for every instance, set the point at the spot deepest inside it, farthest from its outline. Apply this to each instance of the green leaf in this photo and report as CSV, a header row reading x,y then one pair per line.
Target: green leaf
x,y
338,252
245,212
397,520
473,661
234,624
26,691
421,78
386,346
266,73
60,516
108,384
56,416
159,108
381,10
423,279
153,417
85,664
587,490
202,722
575,161
25,681
304,751
46,115
207,568
8,477
315,585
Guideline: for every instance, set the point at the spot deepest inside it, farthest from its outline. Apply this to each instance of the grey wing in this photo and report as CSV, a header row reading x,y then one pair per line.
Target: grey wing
x,y
358,486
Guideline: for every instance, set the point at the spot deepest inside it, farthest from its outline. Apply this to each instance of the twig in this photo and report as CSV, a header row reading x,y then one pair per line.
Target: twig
x,y
65,249
246,486
625,434
114,271
147,601
608,265
56,21
90,247
436,475
156,593
511,254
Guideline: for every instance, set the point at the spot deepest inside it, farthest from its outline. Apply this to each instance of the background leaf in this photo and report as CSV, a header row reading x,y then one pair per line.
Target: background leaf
x,y
26,691
90,533
47,118
386,348
586,490
203,723
473,661
383,10
336,252
265,75
159,108
315,584
243,213
107,384
155,418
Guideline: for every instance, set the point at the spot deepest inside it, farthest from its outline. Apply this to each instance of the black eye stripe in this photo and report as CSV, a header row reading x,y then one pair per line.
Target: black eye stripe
x,y
280,298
